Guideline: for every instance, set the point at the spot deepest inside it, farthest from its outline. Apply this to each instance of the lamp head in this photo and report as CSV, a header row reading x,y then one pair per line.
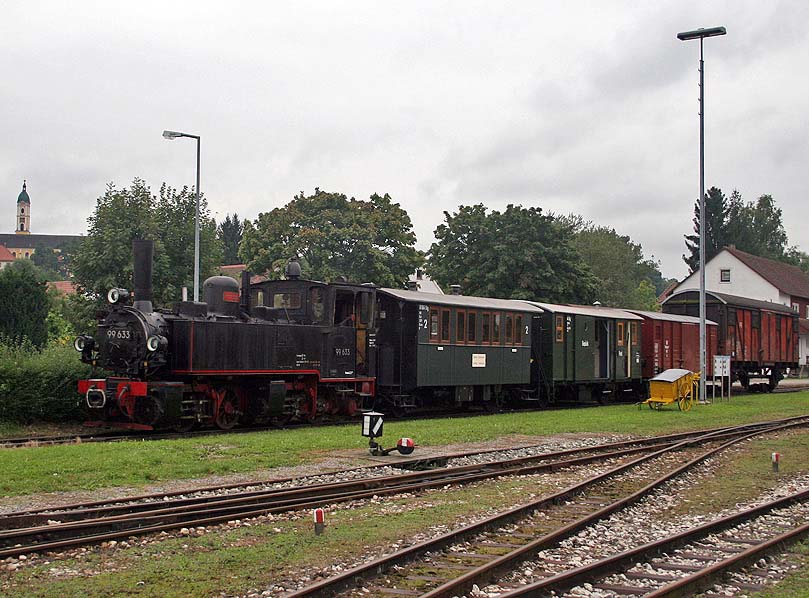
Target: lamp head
x,y
171,134
700,33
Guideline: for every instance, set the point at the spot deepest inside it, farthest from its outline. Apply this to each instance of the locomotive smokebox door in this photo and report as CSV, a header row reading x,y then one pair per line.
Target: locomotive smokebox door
x,y
372,424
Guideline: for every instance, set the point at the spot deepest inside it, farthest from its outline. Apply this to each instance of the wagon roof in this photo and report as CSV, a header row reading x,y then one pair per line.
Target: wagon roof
x,y
461,300
587,310
659,315
732,300
671,375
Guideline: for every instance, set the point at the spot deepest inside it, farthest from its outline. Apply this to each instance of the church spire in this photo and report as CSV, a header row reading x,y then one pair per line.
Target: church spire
x,y
23,211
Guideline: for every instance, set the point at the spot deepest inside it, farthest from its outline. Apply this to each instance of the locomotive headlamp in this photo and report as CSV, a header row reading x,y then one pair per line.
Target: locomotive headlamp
x,y
83,343
117,295
156,342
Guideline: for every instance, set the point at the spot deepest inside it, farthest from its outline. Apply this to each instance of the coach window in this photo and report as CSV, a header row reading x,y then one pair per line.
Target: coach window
x,y
433,325
633,328
445,313
518,332
472,324
560,329
496,328
620,334
486,331
509,329
460,327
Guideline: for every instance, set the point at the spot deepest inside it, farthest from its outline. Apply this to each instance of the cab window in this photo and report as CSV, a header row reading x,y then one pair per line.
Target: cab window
x,y
318,306
286,300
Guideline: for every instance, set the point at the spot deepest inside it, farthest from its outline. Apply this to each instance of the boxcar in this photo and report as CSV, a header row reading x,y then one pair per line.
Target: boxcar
x,y
587,352
760,336
451,349
671,341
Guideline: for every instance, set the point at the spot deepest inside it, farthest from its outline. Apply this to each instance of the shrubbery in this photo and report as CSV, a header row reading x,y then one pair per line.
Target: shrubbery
x,y
40,384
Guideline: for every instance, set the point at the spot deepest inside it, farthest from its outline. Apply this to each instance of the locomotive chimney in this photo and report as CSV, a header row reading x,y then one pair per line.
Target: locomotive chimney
x,y
244,299
143,251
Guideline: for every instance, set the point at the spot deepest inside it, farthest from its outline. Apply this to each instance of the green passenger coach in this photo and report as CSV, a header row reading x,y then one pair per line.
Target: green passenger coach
x,y
452,349
588,352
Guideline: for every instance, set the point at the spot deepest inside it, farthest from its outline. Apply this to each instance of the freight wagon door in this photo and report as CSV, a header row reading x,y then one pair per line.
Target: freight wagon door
x,y
621,350
585,347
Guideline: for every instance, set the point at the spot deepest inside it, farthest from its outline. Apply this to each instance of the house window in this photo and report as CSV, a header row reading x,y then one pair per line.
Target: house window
x,y
471,329
560,329
796,308
807,312
724,275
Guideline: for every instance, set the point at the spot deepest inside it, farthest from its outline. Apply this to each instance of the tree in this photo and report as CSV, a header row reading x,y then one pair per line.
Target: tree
x,y
104,257
24,304
174,213
47,260
229,233
625,277
520,253
715,228
756,228
365,241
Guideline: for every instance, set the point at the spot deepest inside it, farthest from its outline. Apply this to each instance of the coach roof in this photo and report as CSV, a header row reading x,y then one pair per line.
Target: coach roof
x,y
587,310
461,301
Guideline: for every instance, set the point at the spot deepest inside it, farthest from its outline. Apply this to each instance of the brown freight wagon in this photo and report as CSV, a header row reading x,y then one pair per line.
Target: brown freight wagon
x,y
671,341
761,337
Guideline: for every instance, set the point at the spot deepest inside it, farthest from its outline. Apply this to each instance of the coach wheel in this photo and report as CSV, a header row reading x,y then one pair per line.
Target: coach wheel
x,y
227,416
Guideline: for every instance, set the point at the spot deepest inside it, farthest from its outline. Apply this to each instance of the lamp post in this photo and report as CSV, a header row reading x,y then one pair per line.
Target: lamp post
x,y
701,34
174,135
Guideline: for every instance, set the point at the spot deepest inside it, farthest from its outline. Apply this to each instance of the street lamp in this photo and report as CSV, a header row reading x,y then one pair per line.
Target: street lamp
x,y
701,34
174,135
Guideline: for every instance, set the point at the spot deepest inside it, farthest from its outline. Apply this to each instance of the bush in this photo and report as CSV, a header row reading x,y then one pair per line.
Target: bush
x,y
40,384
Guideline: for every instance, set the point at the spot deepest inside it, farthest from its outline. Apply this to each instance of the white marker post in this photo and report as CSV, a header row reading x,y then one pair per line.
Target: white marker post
x,y
776,460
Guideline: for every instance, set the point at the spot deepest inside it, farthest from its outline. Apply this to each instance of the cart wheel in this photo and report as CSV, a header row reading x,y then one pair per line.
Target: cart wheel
x,y
684,403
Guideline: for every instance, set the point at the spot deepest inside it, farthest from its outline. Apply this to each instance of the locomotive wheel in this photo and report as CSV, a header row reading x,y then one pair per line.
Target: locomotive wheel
x,y
184,425
227,416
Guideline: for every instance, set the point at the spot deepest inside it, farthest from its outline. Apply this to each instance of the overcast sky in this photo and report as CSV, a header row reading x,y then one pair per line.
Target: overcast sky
x,y
584,107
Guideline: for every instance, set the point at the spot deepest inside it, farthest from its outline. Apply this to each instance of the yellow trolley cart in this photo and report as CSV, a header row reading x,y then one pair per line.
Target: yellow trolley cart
x,y
680,386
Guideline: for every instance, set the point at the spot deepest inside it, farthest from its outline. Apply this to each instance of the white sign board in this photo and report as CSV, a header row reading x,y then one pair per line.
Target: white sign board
x,y
721,366
478,360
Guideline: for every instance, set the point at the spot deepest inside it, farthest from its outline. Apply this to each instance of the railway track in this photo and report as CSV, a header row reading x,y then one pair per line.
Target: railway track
x,y
694,560
453,563
94,522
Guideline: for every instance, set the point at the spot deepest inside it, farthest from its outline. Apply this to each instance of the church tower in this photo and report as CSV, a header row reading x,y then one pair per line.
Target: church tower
x,y
23,212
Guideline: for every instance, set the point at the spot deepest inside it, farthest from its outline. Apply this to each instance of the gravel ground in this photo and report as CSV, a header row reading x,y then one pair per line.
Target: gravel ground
x,y
335,467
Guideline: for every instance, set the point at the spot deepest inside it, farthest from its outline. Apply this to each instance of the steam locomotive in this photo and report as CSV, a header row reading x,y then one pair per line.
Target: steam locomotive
x,y
296,349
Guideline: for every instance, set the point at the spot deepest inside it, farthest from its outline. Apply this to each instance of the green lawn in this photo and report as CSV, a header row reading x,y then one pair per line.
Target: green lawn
x,y
137,463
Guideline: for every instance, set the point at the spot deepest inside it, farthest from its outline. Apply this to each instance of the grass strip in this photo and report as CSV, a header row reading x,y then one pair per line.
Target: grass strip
x,y
138,463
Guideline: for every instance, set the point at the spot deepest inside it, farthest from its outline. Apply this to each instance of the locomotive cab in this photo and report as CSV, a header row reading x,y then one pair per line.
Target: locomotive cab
x,y
344,311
